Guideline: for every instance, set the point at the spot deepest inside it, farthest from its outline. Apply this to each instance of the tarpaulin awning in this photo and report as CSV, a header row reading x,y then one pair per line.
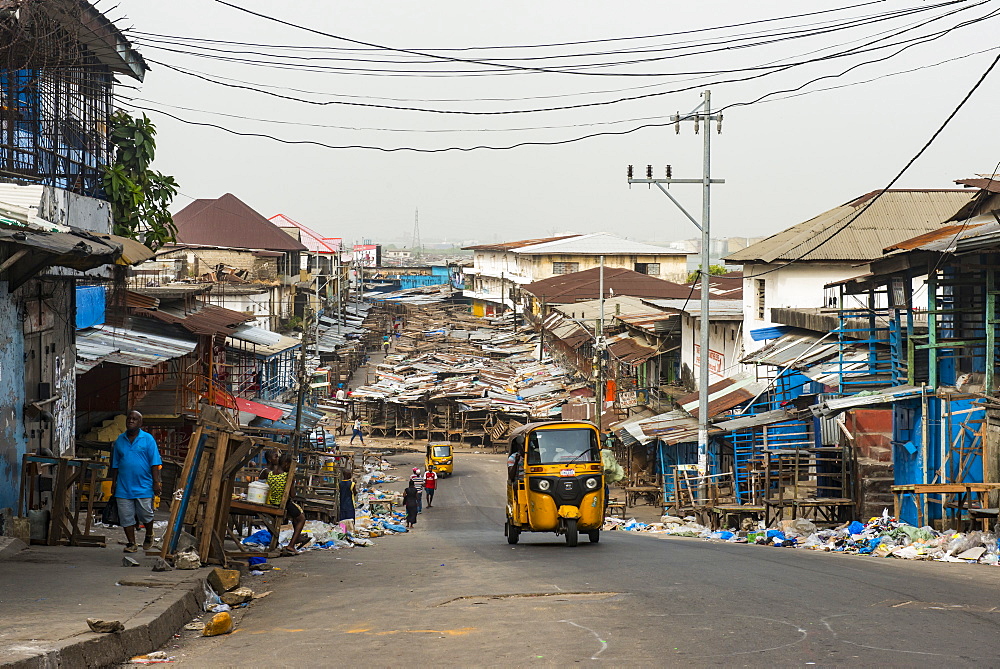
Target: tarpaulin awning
x,y
247,406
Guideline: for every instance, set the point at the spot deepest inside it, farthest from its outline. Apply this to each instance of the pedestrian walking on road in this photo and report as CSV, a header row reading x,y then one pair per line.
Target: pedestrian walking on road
x,y
411,497
430,484
135,479
386,343
357,432
417,479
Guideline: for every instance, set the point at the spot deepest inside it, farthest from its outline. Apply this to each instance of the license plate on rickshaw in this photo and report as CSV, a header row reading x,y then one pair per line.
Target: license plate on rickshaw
x,y
567,472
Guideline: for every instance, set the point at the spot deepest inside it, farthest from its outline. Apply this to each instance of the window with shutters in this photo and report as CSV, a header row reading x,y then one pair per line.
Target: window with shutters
x,y
761,287
565,267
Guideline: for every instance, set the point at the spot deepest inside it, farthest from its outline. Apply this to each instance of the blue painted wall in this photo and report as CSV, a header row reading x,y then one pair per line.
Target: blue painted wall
x,y
13,443
909,464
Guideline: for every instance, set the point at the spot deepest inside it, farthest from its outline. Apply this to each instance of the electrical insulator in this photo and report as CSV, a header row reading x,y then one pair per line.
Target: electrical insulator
x,y
649,171
670,172
697,118
629,171
718,126
677,123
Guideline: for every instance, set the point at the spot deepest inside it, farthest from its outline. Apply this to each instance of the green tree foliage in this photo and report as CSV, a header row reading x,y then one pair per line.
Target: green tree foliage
x,y
139,197
713,270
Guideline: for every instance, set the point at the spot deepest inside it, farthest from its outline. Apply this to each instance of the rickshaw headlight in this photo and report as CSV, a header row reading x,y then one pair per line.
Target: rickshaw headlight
x,y
592,484
544,485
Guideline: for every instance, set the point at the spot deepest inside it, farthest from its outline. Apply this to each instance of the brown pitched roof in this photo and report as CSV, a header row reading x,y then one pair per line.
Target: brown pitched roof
x,y
229,222
585,285
507,246
208,319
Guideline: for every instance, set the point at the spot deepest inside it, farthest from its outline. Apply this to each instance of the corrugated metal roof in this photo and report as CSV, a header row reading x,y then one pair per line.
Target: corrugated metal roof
x,y
757,420
123,346
597,243
508,246
952,238
256,335
315,242
228,221
803,349
585,285
631,350
985,183
27,197
721,309
208,320
723,395
283,344
673,427
896,216
835,406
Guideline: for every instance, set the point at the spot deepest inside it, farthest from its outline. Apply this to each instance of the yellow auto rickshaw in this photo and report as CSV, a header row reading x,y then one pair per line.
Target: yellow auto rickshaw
x,y
441,457
555,481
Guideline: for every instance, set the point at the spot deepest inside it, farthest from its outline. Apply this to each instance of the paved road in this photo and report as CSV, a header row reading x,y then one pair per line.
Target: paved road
x,y
454,593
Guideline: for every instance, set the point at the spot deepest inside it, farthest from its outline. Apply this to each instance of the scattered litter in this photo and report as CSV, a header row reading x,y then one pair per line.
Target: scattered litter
x,y
195,626
156,657
882,536
129,562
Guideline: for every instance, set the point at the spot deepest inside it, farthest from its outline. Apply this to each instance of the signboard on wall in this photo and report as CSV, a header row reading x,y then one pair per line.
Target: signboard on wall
x,y
716,360
628,399
368,255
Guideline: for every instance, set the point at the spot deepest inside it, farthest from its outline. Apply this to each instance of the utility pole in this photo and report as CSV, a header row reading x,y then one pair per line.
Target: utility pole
x,y
702,114
599,355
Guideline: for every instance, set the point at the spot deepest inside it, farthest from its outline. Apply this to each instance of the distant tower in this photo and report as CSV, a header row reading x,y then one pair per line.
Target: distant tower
x,y
415,242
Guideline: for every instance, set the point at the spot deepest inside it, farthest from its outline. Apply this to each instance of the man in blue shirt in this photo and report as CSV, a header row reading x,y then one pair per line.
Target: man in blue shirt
x,y
135,479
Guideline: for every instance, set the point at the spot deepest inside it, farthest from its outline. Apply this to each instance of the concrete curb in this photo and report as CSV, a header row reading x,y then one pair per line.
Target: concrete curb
x,y
143,633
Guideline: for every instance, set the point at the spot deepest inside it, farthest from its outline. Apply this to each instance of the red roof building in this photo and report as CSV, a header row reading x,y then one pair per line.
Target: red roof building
x,y
228,222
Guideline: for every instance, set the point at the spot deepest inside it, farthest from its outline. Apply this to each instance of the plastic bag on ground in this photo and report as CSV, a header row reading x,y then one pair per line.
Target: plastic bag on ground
x,y
209,598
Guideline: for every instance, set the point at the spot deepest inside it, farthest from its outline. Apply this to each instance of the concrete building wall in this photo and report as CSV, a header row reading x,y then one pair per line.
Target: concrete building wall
x,y
196,262
725,345
672,267
797,285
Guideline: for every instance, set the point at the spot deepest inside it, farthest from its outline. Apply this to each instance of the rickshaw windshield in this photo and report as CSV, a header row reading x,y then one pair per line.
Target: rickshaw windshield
x,y
562,446
441,451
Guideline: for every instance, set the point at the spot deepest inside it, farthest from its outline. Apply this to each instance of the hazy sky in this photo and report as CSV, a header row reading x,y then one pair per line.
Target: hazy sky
x,y
784,160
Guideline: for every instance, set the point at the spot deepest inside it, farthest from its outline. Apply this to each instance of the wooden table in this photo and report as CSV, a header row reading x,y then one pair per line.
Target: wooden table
x,y
651,493
963,493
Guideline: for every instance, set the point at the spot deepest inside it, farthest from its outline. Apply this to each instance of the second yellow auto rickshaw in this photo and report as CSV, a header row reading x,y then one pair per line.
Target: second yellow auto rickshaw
x,y
555,481
441,457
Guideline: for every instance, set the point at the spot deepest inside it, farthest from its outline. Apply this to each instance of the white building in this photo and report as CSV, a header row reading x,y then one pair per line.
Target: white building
x,y
790,269
499,269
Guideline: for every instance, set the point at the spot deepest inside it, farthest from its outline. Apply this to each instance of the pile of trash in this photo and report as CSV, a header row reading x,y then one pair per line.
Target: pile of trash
x,y
881,536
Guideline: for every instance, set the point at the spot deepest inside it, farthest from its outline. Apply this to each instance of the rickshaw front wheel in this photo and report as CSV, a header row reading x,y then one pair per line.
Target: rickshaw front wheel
x,y
512,531
572,536
594,536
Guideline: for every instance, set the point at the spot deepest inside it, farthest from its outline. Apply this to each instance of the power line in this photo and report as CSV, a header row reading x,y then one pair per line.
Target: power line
x,y
481,62
896,178
575,43
519,144
906,45
722,44
531,128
